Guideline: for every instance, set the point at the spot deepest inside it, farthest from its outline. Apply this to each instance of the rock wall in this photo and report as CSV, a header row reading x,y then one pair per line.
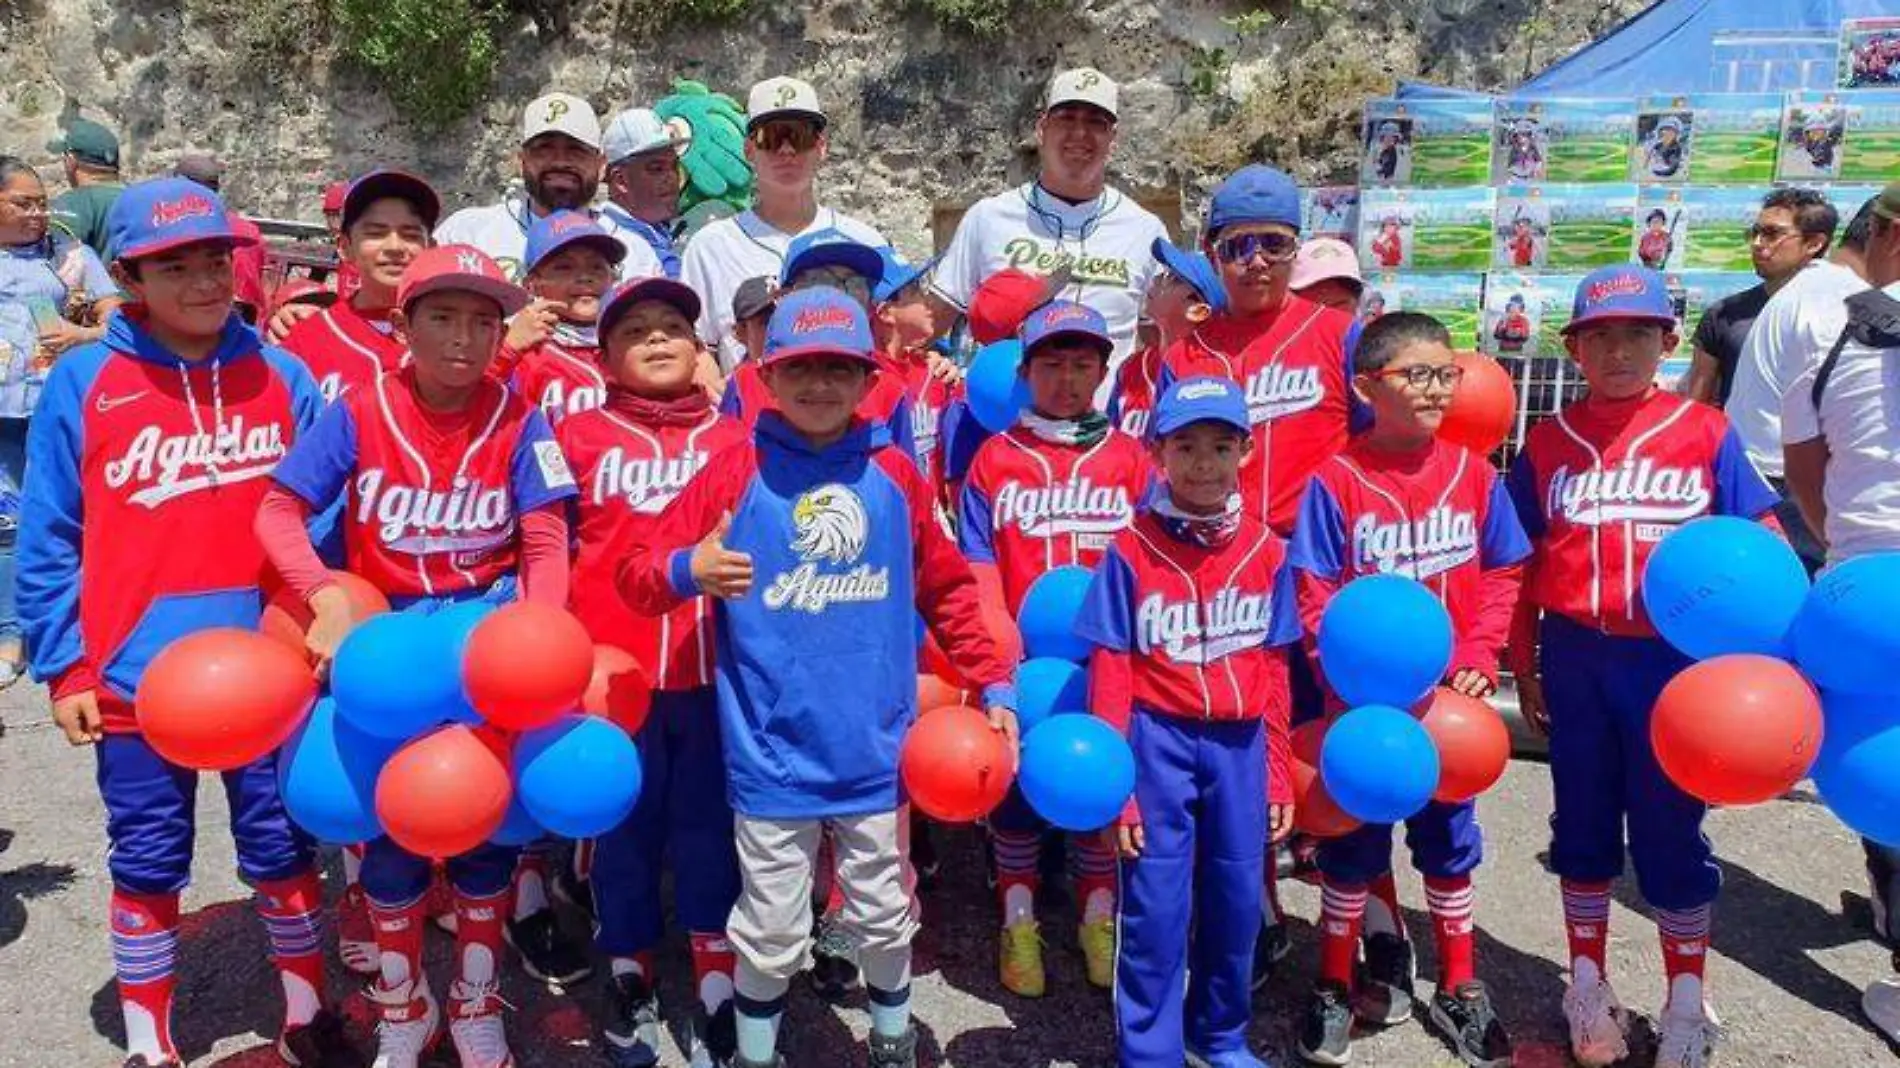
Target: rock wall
x,y
926,119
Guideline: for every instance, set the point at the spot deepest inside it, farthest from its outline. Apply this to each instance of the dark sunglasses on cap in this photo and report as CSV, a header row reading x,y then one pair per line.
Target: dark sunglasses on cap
x,y
771,136
1277,248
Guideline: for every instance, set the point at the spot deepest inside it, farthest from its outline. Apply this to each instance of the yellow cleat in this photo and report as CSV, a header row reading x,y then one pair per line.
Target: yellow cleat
x,y
1098,950
1021,960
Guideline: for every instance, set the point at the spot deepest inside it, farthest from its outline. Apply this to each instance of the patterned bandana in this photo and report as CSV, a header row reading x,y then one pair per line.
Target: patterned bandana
x,y
1207,531
1083,432
574,336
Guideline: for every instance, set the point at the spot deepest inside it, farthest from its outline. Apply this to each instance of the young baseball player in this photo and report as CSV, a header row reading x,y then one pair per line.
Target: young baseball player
x,y
149,451
1514,329
1184,612
817,661
454,490
1388,246
1052,491
1326,272
552,349
1397,501
1185,293
903,324
631,456
1597,486
386,218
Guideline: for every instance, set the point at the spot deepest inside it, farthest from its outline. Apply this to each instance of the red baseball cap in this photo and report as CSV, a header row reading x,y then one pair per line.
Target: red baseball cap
x,y
1003,301
458,267
333,195
302,291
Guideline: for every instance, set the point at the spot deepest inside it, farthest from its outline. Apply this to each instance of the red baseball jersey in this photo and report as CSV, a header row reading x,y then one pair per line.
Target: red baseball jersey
x,y
1523,250
432,498
345,349
1131,403
561,380
927,397
628,473
1389,247
1030,505
1599,484
1297,370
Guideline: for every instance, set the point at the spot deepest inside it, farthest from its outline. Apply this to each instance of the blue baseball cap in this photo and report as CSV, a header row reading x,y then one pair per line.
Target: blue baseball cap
x,y
621,299
167,213
898,274
1623,291
1065,319
1201,399
830,248
1255,193
1196,270
559,229
819,321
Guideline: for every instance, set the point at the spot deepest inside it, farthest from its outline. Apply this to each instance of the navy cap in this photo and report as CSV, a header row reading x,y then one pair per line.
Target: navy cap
x,y
1623,291
622,298
819,321
384,184
1255,193
168,213
1201,399
898,274
1065,319
558,229
830,247
1196,270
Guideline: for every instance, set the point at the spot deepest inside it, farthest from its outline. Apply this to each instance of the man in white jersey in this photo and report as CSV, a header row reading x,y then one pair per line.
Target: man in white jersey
x,y
1066,217
785,143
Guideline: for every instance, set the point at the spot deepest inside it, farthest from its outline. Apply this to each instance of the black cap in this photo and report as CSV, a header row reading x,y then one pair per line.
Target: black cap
x,y
753,298
382,184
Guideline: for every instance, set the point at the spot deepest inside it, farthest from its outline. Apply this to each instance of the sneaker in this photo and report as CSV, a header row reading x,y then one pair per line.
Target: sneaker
x,y
1268,951
899,1052
1687,1039
1383,982
577,892
1326,1036
546,953
411,1024
1020,960
1098,952
1465,1017
1881,1004
833,973
712,1041
356,933
1238,1058
475,1025
320,1043
633,1035
1599,1025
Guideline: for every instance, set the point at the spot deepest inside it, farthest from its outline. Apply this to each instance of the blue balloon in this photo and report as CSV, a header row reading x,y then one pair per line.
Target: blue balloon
x,y
1048,613
326,775
393,676
1847,634
578,777
454,624
1049,687
1379,764
1077,772
1860,748
1384,640
517,828
1720,585
995,392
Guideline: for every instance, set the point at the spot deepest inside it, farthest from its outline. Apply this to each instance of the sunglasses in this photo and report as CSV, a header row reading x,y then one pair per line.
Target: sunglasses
x,y
1277,248
1420,376
1770,235
771,136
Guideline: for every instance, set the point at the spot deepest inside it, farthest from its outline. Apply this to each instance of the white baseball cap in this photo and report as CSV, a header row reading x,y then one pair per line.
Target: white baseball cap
x,y
561,113
1085,85
637,131
783,97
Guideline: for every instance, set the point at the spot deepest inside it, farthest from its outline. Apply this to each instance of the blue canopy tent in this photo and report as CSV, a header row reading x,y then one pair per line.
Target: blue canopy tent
x,y
1700,46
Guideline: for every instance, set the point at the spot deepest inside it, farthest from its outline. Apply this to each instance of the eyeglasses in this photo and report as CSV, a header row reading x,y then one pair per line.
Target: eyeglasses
x,y
1770,235
1277,248
1421,376
771,136
27,205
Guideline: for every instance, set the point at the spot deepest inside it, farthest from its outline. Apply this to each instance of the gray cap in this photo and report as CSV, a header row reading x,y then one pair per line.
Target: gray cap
x,y
201,167
753,298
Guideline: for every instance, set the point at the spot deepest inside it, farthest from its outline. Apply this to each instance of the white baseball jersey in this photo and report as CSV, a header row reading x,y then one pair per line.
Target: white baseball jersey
x,y
1106,243
501,231
727,252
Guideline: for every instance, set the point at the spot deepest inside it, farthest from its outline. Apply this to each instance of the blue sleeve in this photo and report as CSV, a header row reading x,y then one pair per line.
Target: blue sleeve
x,y
1319,534
963,434
973,526
1503,541
321,462
1358,412
1114,407
904,435
1283,624
52,517
1107,616
539,473
730,404
1739,488
1522,486
306,399
97,280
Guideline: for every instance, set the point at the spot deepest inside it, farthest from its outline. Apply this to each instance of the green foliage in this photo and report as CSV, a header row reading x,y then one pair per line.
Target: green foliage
x,y
433,57
985,18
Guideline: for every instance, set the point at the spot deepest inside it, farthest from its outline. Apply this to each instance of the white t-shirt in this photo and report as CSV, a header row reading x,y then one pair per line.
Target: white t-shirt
x,y
1107,243
727,252
1793,332
501,231
1860,416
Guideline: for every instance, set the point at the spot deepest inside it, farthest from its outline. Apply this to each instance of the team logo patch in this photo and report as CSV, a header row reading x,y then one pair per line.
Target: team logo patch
x,y
647,485
1077,506
1437,542
1630,491
1275,392
831,525
554,470
1193,632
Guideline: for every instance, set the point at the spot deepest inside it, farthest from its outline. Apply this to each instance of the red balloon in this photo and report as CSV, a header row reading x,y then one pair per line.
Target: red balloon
x,y
444,793
933,693
1474,745
954,766
287,617
1314,811
221,698
1482,408
526,664
1737,729
619,689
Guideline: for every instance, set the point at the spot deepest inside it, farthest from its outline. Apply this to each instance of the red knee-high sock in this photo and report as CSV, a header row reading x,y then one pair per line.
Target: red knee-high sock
x,y
1685,946
398,942
1018,858
1094,870
713,963
145,956
478,922
1341,909
289,908
1587,927
1450,901
1382,906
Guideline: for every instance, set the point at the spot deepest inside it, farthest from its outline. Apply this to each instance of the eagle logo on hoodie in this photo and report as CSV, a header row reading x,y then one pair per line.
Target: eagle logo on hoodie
x,y
830,524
